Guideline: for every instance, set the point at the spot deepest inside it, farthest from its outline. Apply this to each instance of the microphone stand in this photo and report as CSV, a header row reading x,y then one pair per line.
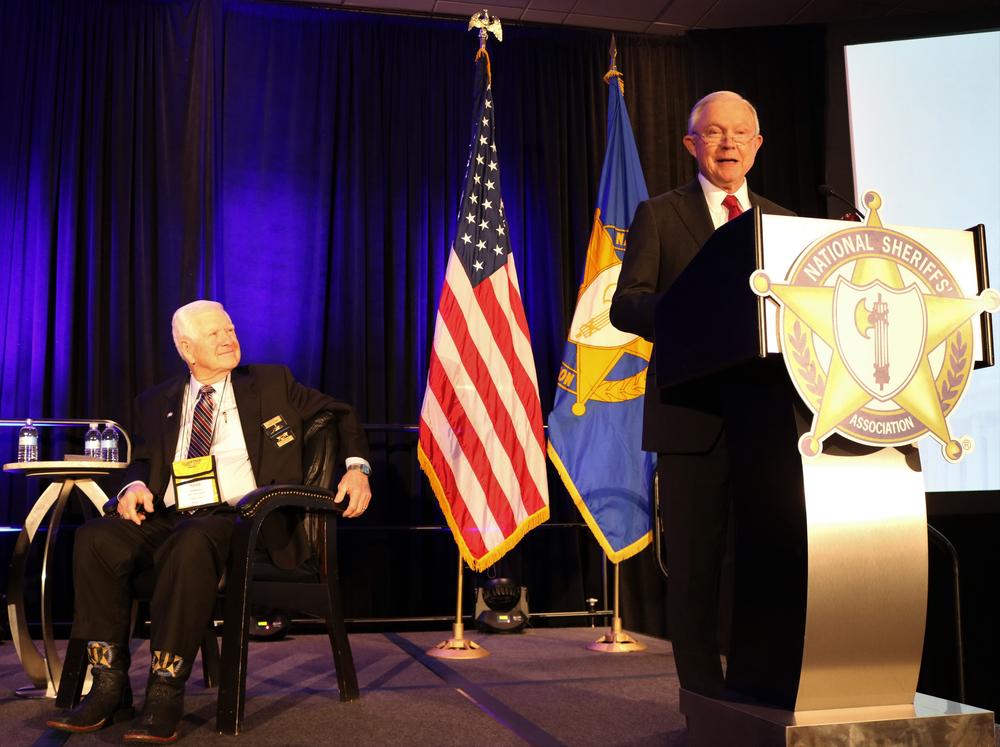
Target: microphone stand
x,y
854,214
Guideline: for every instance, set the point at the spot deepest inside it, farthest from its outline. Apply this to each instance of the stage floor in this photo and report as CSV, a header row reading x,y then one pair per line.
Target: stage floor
x,y
542,687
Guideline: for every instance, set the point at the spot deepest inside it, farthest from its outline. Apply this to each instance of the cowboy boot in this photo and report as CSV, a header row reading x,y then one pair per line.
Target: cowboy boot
x,y
110,696
164,705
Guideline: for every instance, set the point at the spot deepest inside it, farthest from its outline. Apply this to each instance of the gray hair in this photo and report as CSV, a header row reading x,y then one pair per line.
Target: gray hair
x,y
721,96
180,326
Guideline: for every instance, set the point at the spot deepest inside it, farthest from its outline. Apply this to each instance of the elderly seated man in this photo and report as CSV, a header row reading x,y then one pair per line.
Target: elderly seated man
x,y
250,420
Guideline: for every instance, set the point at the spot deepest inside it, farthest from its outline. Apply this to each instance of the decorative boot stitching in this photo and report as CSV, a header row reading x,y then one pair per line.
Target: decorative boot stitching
x,y
100,654
166,664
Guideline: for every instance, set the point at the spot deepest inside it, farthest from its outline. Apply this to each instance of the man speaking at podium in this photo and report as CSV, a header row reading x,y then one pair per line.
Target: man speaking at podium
x,y
202,441
693,459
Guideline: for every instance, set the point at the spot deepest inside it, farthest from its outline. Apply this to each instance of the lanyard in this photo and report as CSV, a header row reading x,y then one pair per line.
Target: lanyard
x,y
187,414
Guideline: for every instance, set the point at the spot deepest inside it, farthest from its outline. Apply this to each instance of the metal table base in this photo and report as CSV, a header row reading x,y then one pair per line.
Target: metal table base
x,y
45,669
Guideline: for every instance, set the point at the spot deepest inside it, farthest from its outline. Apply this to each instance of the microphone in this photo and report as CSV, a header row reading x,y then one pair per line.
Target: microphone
x,y
827,191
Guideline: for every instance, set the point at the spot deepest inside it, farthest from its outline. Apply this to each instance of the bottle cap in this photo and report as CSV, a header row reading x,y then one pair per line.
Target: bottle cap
x,y
27,421
93,426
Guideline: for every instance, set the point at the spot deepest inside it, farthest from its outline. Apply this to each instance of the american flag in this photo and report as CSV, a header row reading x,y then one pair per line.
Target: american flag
x,y
482,445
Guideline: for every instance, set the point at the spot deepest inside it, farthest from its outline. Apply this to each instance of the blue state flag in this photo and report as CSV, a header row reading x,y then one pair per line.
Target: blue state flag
x,y
595,428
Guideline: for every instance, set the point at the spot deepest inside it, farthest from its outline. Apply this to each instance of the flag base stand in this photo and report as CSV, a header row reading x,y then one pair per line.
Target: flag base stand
x,y
616,641
458,647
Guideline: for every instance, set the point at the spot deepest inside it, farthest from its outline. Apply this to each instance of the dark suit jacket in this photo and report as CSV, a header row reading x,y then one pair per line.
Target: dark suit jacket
x,y
667,232
261,393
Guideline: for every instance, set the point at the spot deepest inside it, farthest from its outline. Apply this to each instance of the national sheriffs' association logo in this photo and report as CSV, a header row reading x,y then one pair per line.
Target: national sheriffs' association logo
x,y
609,365
877,337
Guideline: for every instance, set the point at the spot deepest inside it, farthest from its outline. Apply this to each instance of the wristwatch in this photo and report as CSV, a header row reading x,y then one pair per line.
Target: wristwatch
x,y
365,469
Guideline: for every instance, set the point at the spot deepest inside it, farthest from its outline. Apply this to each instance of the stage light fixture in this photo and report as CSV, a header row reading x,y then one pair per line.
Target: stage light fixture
x,y
501,606
268,625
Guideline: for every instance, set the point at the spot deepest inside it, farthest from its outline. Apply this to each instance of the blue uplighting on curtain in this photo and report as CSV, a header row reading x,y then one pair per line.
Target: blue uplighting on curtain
x,y
297,164
302,165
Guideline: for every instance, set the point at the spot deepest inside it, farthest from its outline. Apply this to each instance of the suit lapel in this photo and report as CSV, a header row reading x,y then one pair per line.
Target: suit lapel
x,y
693,212
248,402
171,413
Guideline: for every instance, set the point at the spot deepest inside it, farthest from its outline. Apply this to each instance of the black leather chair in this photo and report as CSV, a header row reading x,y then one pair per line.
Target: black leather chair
x,y
247,585
251,581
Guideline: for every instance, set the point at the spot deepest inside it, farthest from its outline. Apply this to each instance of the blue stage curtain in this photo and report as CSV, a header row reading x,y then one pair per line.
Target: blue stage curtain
x,y
302,165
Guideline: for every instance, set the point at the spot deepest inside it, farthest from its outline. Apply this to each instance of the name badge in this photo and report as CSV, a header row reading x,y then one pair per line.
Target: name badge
x,y
195,482
278,430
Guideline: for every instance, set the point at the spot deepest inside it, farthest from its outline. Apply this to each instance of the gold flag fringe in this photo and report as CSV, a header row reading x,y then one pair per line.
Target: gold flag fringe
x,y
615,556
476,564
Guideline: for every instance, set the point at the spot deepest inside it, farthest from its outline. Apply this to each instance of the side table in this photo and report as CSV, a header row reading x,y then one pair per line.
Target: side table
x,y
44,670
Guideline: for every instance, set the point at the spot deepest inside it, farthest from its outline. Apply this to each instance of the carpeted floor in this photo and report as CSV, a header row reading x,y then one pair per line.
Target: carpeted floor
x,y
542,687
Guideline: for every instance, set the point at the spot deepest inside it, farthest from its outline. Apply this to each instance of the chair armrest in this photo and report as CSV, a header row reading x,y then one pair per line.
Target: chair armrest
x,y
266,499
270,497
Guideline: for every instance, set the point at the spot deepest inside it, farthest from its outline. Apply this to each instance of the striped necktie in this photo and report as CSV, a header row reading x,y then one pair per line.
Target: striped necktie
x,y
201,424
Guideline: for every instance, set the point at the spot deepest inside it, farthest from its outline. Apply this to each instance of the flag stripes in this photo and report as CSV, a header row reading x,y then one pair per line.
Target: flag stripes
x,y
481,439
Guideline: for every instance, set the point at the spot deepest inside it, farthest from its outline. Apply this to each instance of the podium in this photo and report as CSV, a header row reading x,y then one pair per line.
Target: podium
x,y
830,563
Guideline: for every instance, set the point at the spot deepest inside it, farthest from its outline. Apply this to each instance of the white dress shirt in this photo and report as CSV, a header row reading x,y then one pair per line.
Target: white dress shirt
x,y
714,197
232,461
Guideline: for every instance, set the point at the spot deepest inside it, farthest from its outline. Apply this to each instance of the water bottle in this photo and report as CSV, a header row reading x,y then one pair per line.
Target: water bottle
x,y
109,443
92,443
27,443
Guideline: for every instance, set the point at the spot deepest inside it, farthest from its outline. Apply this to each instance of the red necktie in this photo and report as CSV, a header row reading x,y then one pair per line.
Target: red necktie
x,y
201,424
733,206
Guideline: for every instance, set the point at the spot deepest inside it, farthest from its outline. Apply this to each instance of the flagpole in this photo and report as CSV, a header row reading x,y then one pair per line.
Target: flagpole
x,y
480,274
617,641
457,647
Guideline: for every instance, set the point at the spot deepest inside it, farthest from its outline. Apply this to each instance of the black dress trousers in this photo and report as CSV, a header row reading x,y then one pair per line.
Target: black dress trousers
x,y
187,554
696,504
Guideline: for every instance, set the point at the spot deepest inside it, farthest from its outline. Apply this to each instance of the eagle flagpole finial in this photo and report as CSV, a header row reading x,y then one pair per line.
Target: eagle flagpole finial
x,y
486,24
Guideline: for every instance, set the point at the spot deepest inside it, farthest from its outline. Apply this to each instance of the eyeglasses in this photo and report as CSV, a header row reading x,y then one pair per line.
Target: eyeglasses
x,y
715,137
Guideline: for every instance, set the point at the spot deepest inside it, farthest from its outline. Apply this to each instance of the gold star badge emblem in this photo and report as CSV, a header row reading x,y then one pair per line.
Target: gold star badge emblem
x,y
877,336
599,345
